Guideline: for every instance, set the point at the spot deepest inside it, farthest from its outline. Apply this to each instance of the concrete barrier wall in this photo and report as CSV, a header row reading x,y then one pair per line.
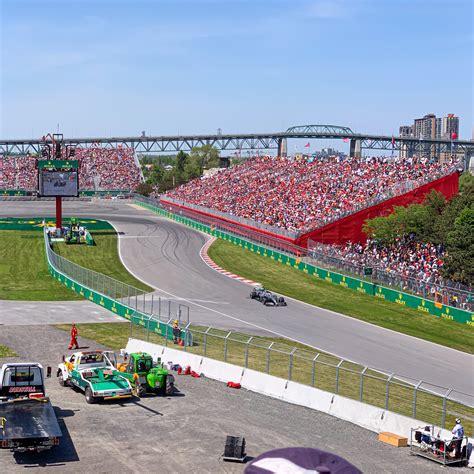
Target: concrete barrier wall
x,y
367,416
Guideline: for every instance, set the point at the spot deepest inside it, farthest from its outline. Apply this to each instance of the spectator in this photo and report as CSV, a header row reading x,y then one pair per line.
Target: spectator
x,y
299,195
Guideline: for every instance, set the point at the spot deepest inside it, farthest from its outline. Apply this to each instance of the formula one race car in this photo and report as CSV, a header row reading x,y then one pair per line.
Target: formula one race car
x,y
267,297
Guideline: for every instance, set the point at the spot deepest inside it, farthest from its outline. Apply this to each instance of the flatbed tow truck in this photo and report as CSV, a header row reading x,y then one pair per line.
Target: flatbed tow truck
x,y
27,418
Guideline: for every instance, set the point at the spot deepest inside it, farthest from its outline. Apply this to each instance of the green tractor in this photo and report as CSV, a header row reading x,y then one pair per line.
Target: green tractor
x,y
145,376
73,235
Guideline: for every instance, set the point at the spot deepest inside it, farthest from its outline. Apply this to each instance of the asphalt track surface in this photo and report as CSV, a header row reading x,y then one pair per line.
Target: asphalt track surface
x,y
165,255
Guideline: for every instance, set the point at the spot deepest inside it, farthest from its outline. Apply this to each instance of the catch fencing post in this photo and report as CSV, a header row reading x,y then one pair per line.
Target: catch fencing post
x,y
128,294
269,348
148,328
205,340
166,336
361,390
314,368
247,352
387,390
144,303
338,366
443,415
290,365
151,310
186,333
225,346
415,389
159,307
136,301
169,309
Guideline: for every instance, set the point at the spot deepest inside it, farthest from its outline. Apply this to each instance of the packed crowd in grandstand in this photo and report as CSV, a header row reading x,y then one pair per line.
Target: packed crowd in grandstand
x,y
297,195
413,265
99,169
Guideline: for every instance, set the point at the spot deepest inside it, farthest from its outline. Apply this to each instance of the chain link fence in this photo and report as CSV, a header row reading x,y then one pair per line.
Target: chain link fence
x,y
162,309
453,295
152,320
394,392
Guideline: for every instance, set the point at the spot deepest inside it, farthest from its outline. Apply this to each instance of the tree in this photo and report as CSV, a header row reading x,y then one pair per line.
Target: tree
x,y
145,189
181,159
155,175
459,264
207,156
192,168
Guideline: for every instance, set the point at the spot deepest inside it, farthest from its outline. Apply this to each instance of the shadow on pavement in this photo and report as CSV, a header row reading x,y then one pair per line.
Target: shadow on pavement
x,y
57,455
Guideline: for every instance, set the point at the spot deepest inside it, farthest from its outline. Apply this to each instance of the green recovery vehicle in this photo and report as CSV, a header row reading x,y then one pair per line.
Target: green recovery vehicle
x,y
144,375
73,234
94,374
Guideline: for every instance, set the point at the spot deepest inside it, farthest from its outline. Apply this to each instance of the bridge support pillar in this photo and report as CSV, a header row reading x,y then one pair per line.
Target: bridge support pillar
x,y
355,148
282,147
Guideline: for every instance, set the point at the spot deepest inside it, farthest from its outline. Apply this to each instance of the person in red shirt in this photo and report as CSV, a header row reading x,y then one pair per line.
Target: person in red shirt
x,y
73,344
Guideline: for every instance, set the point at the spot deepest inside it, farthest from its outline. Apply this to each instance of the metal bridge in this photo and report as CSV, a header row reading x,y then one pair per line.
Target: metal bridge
x,y
251,141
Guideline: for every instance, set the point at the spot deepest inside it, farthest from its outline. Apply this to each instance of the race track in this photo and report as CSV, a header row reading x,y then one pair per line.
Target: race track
x,y
165,255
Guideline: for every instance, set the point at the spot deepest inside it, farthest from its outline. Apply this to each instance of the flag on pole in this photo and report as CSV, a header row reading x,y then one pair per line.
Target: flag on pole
x,y
393,141
307,145
345,140
454,135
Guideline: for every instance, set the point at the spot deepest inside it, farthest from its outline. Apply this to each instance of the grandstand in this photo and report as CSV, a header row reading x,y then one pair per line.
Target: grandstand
x,y
100,170
294,197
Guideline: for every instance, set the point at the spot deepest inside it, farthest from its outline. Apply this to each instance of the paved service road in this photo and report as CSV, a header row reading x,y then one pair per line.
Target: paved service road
x,y
183,433
53,312
166,255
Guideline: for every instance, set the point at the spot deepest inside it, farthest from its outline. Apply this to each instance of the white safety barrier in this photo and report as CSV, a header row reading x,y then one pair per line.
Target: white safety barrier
x,y
221,371
361,414
305,396
263,383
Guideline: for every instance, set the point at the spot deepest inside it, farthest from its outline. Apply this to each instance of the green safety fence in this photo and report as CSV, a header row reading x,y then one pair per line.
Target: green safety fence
x,y
119,308
388,294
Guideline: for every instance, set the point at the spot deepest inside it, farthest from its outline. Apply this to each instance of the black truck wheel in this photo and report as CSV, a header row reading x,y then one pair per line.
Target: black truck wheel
x,y
61,381
89,397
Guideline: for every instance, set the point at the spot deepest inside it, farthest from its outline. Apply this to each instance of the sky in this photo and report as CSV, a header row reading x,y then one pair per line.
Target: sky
x,y
119,67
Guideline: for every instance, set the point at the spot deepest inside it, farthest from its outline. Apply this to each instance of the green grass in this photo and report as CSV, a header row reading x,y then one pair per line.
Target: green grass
x,y
296,284
102,258
6,352
23,270
429,407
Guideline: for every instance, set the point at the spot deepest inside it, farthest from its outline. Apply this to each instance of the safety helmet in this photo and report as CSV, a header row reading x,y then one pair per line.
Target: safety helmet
x,y
458,420
175,321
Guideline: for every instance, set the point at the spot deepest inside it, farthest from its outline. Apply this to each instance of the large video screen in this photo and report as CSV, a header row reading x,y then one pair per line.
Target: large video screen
x,y
58,183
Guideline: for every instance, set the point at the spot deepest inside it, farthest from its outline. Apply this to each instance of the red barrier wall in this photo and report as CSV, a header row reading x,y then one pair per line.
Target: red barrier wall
x,y
350,227
338,232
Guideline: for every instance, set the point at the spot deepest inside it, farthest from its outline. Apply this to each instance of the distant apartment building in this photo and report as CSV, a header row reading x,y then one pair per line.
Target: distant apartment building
x,y
429,127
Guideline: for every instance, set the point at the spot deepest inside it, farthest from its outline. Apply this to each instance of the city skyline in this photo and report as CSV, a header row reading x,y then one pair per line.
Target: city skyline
x,y
116,68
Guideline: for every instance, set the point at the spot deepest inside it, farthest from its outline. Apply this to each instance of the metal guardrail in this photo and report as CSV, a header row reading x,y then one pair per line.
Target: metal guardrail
x,y
162,309
390,391
462,298
452,294
394,392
